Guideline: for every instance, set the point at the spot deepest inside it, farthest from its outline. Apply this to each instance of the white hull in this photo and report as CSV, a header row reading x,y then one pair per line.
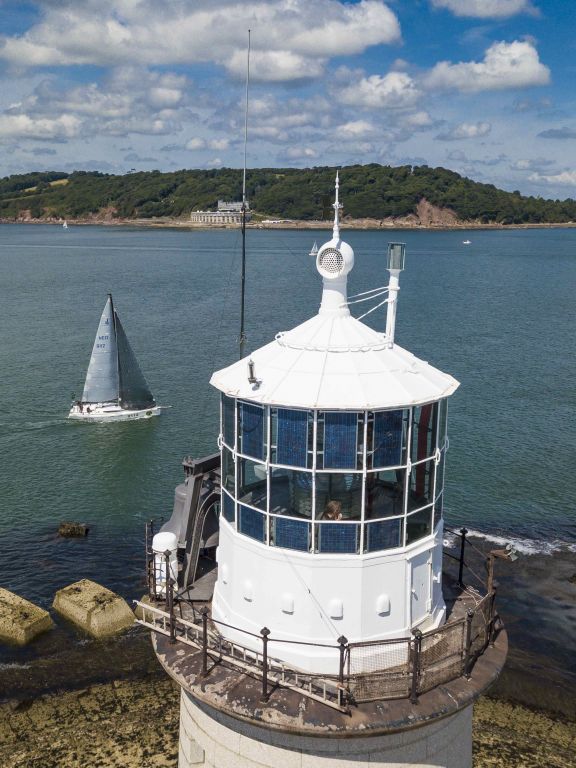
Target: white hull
x,y
111,412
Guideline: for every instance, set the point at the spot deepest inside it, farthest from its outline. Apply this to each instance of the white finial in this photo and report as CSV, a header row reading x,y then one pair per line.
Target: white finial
x,y
337,207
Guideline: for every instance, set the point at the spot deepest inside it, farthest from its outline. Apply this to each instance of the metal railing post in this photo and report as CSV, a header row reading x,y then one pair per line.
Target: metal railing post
x,y
463,532
264,632
343,644
167,577
492,619
416,650
147,553
467,644
170,594
204,614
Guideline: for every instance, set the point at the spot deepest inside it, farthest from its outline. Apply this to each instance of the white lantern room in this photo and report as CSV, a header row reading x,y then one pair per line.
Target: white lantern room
x,y
333,440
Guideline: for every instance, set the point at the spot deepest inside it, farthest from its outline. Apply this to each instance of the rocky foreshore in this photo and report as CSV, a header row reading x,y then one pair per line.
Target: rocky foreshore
x,y
134,724
407,223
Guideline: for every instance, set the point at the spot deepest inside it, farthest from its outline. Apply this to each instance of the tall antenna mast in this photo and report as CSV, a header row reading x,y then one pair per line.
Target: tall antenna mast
x,y
243,278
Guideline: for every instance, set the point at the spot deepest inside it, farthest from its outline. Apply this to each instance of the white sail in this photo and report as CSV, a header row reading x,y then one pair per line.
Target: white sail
x,y
102,377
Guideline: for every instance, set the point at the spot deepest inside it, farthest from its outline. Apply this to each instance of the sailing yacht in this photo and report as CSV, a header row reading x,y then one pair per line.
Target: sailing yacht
x,y
115,387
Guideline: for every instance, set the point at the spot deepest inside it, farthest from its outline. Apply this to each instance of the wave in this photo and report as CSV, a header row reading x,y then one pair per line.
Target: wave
x,y
523,545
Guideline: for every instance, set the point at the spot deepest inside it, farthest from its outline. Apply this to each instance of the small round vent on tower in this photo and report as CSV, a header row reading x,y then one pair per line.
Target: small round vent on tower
x,y
330,262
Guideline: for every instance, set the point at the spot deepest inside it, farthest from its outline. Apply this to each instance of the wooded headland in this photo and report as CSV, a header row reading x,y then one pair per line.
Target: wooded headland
x,y
415,194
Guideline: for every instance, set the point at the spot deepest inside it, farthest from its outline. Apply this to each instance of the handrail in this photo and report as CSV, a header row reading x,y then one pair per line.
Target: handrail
x,y
400,667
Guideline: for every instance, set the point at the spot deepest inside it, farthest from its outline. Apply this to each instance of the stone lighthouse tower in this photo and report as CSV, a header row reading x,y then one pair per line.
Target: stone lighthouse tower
x,y
329,637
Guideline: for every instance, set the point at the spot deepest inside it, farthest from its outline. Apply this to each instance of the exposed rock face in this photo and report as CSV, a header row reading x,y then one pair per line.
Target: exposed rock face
x,y
431,216
93,608
20,620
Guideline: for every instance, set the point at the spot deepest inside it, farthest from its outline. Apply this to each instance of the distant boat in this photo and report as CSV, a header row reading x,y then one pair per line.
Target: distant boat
x,y
115,387
466,242
65,225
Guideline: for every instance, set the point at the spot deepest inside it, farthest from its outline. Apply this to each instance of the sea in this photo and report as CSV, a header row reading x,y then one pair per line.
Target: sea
x,y
498,314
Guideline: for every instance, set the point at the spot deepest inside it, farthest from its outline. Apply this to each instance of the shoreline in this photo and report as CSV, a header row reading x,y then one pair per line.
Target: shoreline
x,y
133,723
351,224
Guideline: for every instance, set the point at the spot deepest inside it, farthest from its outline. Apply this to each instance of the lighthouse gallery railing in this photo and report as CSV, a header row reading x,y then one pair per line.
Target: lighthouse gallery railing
x,y
371,671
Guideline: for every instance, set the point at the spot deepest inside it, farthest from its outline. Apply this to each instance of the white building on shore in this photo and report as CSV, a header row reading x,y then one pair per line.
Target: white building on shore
x,y
226,213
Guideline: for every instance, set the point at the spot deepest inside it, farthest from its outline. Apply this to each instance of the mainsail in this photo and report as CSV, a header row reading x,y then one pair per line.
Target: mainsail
x,y
134,392
101,384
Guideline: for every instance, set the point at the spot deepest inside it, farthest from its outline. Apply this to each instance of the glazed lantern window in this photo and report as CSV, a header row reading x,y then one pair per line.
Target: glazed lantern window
x,y
333,482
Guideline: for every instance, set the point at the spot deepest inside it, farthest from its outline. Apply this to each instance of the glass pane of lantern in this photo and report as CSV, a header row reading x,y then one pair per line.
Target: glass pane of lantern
x,y
290,492
252,487
228,404
338,495
292,437
384,493
418,525
228,507
421,484
384,534
424,424
340,440
337,537
387,436
251,430
251,523
290,534
228,471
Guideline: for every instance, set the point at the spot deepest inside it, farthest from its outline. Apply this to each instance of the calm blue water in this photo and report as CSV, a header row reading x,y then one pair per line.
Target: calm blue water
x,y
498,315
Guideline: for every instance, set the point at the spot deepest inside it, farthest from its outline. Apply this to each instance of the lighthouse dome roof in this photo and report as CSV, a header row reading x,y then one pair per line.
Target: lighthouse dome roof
x,y
334,361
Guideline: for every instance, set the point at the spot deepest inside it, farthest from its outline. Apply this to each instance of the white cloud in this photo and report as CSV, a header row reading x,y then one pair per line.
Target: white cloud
x,y
466,131
485,9
219,144
131,100
395,89
300,153
195,144
23,126
565,178
531,164
356,129
292,39
420,119
505,65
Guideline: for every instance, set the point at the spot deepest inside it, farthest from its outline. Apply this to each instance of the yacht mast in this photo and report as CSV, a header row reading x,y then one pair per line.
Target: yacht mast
x,y
243,278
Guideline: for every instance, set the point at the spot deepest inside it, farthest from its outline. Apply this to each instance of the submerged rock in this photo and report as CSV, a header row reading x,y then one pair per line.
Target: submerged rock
x,y
21,620
73,530
93,608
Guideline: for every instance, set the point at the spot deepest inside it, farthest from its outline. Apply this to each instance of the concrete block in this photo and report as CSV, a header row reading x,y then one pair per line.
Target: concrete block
x,y
20,620
93,608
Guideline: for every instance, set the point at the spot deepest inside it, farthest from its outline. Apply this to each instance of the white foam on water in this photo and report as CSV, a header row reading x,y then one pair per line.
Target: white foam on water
x,y
524,546
15,665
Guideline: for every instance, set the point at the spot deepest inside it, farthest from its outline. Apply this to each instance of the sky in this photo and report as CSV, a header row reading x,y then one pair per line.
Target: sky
x,y
483,87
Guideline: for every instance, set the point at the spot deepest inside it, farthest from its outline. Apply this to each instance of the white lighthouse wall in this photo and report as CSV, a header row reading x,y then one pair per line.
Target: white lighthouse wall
x,y
212,739
318,598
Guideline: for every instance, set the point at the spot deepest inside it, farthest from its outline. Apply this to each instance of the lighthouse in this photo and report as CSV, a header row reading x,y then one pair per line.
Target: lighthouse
x,y
326,633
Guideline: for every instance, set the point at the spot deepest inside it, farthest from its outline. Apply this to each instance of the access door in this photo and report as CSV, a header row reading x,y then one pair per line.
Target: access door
x,y
421,584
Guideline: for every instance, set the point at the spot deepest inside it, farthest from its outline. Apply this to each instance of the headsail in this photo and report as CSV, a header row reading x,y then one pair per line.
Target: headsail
x,y
134,390
102,377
